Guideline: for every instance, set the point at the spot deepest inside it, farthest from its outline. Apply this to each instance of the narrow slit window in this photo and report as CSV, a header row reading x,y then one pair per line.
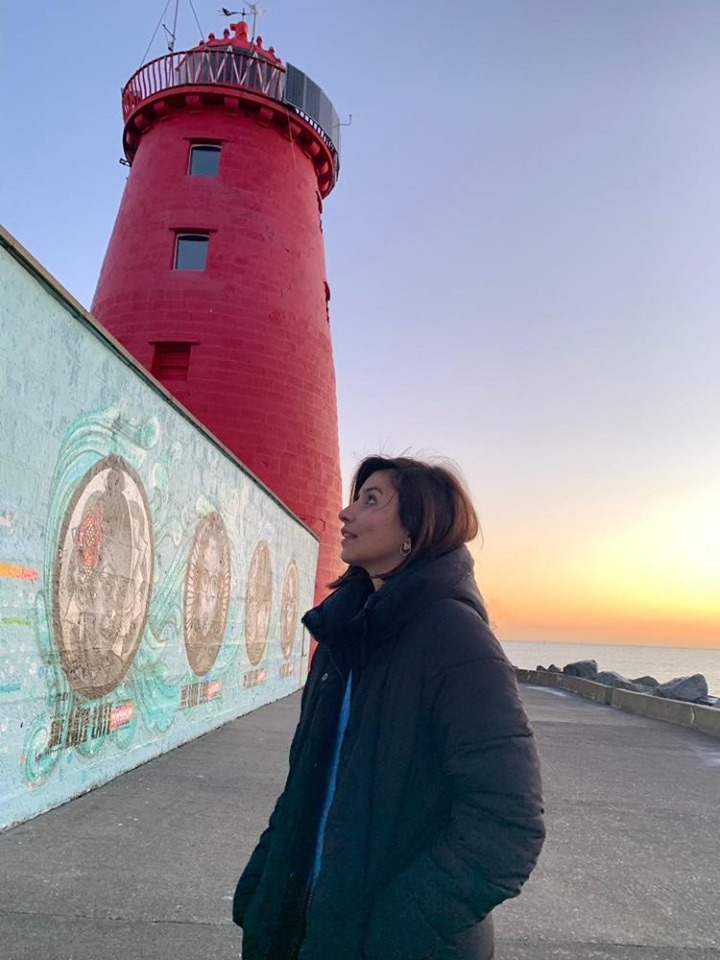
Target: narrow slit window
x,y
204,160
171,361
191,251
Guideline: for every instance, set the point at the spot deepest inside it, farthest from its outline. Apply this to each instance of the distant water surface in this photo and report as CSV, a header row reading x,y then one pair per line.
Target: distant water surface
x,y
663,663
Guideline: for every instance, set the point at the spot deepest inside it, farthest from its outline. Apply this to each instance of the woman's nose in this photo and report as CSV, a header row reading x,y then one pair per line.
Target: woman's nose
x,y
344,514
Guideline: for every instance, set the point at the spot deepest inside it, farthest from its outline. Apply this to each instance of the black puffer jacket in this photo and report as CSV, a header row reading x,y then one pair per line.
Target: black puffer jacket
x,y
437,814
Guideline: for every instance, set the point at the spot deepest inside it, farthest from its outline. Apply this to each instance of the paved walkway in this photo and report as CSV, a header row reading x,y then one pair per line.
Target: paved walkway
x,y
144,868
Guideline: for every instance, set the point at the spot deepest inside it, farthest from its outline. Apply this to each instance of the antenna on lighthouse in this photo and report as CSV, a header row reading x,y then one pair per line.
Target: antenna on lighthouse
x,y
171,35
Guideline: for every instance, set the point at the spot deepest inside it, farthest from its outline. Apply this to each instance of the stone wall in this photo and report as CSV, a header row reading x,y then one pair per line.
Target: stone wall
x,y
150,586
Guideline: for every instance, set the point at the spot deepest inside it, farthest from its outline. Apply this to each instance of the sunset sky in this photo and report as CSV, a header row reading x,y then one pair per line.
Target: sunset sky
x,y
523,257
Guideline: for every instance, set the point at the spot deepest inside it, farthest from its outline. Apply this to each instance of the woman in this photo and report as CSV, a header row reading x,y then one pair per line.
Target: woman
x,y
412,805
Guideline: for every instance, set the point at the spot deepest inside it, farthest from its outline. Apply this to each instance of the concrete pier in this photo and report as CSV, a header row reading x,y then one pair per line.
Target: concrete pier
x,y
145,866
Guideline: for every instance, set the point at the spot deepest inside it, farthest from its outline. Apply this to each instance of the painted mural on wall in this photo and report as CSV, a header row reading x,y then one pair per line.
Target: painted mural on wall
x,y
150,590
102,577
207,593
289,613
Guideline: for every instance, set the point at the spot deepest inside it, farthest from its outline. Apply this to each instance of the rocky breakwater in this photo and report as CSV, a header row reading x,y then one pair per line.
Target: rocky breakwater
x,y
692,689
684,700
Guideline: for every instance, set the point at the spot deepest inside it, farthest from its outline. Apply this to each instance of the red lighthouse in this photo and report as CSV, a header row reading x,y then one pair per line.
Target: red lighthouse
x,y
214,277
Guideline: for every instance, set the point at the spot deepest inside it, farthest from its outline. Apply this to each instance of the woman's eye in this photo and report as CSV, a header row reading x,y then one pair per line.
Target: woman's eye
x,y
371,498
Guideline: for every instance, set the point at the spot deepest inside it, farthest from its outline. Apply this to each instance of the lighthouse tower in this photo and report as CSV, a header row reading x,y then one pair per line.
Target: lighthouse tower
x,y
214,277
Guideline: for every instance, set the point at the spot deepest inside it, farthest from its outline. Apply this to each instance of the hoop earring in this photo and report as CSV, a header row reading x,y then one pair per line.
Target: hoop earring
x,y
406,548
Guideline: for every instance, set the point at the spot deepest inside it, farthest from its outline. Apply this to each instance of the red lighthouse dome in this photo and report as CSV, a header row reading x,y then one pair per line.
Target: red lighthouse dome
x,y
214,277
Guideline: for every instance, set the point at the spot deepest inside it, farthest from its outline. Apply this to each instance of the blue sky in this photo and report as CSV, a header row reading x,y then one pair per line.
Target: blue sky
x,y
522,252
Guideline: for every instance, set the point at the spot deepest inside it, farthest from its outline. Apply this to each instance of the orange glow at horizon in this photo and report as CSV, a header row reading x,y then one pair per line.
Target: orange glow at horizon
x,y
651,578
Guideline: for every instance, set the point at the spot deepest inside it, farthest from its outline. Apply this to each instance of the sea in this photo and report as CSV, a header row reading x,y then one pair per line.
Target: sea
x,y
663,663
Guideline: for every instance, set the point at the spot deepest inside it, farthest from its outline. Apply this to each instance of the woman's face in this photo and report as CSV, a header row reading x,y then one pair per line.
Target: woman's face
x,y
372,534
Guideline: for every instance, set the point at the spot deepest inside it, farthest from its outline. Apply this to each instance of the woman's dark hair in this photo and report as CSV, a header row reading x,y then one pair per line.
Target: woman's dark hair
x,y
433,506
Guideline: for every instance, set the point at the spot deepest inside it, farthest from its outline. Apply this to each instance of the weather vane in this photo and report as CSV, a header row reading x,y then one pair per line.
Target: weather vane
x,y
254,10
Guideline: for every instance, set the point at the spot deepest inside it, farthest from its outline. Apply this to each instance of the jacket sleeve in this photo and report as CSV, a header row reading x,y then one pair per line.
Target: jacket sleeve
x,y
494,831
252,874
250,877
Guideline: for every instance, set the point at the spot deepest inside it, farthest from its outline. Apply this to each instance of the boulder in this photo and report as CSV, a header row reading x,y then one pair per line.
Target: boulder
x,y
646,682
553,669
684,688
612,679
586,669
539,669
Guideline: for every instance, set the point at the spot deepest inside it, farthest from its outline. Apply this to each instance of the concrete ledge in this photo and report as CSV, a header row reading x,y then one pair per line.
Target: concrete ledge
x,y
647,705
586,688
541,678
693,715
707,719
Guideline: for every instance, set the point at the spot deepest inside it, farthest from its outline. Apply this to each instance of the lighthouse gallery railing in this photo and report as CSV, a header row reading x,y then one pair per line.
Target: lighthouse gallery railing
x,y
230,68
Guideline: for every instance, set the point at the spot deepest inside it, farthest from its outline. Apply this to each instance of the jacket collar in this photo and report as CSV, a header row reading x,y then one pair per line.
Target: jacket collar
x,y
354,611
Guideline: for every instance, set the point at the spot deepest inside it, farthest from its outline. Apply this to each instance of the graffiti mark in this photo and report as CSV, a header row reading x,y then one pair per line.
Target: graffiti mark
x,y
16,572
258,602
193,694
287,670
100,726
10,687
254,677
57,728
85,723
15,621
78,728
88,723
121,715
207,593
7,520
102,577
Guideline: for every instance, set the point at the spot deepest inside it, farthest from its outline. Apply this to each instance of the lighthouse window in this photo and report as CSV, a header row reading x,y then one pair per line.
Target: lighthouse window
x,y
204,160
191,251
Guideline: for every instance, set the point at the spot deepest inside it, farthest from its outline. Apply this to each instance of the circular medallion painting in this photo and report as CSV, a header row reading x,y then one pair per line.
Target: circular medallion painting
x,y
289,610
102,577
258,602
207,593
